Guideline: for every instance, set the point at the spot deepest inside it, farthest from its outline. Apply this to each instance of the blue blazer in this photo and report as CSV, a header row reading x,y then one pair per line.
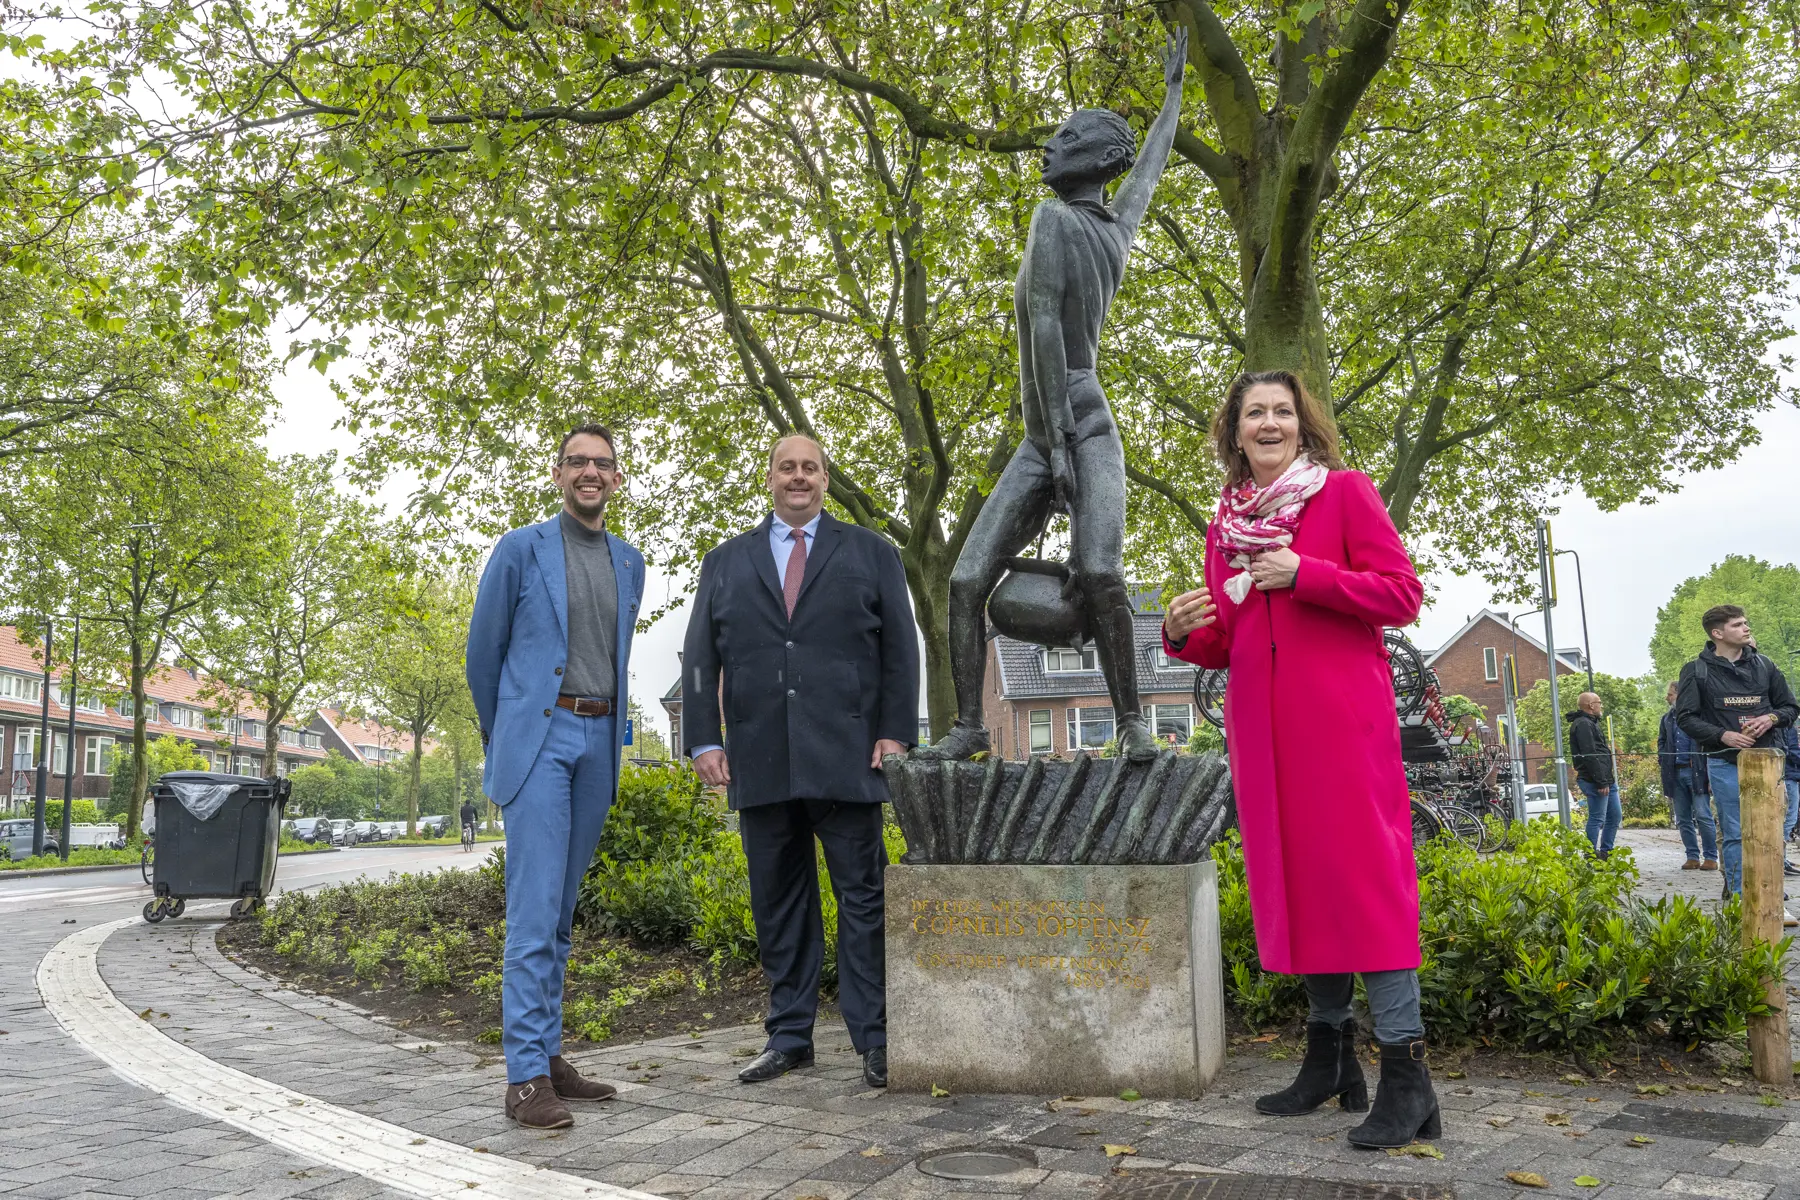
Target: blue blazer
x,y
519,644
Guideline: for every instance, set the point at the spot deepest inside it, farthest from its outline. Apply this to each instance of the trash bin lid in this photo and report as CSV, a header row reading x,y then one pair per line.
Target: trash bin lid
x,y
203,792
212,777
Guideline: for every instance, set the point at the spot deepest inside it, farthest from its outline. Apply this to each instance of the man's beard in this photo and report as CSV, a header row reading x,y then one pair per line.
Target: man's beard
x,y
595,509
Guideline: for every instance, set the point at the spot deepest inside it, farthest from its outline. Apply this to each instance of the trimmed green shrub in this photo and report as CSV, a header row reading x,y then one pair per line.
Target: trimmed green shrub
x,y
1541,945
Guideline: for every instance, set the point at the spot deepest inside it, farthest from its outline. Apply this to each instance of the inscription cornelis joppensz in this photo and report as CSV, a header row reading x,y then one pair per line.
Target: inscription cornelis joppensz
x,y
1078,939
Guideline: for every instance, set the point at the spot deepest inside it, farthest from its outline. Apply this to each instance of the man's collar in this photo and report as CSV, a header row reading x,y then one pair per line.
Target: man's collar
x,y
785,530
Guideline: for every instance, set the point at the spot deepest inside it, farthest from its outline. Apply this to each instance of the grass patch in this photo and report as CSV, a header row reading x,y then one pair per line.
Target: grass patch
x,y
80,856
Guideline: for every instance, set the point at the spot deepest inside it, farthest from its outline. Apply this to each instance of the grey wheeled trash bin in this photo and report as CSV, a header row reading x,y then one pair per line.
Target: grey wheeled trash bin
x,y
216,839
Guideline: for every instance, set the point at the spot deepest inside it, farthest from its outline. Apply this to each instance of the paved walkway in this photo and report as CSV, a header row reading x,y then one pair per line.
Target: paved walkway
x,y
683,1126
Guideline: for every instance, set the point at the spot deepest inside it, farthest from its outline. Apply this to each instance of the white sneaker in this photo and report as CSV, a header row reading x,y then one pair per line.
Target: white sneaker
x,y
1788,919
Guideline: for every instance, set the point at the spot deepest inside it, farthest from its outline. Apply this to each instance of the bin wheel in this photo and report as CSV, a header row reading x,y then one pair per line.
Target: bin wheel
x,y
153,911
247,907
177,907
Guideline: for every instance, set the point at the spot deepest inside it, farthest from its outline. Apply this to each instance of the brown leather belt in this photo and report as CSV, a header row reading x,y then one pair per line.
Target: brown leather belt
x,y
585,706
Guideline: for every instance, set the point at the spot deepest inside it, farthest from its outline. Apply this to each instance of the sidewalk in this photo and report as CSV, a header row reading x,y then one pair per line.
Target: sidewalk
x,y
684,1127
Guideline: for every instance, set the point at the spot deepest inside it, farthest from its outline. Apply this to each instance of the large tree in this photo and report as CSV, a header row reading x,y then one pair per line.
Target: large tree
x,y
1769,594
1517,249
279,633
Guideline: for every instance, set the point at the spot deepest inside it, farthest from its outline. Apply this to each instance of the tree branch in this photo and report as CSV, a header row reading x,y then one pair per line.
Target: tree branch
x,y
1231,93
1167,491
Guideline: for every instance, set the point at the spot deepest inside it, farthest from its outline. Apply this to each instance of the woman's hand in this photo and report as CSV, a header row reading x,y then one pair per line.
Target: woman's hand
x,y
1189,611
1274,569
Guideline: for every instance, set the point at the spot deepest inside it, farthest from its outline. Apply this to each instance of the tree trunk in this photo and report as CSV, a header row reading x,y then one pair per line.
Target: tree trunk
x,y
140,750
928,580
271,737
412,779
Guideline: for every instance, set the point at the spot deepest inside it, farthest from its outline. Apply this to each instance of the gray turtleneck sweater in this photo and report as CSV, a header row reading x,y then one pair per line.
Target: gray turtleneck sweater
x,y
593,612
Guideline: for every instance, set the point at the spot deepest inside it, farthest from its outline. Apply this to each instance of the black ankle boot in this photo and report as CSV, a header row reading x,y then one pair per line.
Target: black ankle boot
x,y
1329,1069
1405,1106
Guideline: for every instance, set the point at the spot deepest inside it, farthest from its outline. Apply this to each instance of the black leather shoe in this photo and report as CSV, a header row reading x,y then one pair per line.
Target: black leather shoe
x,y
773,1064
875,1067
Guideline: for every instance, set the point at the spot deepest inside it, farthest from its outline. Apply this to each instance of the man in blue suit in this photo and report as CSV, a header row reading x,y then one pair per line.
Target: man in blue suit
x,y
549,650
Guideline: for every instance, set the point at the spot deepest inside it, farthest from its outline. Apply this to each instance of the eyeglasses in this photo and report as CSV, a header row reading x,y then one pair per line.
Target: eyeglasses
x,y
579,462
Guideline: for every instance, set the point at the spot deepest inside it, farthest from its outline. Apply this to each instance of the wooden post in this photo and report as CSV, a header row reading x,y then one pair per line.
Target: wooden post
x,y
1762,797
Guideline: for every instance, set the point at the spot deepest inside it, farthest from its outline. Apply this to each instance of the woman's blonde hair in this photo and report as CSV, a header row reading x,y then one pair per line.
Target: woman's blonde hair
x,y
1318,436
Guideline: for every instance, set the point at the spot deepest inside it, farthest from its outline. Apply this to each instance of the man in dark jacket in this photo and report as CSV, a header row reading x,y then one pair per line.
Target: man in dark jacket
x,y
801,673
1731,698
1682,767
1592,758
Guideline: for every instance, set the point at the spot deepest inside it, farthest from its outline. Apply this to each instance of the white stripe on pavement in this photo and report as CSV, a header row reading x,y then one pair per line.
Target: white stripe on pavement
x,y
69,981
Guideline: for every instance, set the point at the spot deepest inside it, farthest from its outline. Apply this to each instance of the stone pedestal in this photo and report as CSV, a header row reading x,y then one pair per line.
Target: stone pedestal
x,y
1065,980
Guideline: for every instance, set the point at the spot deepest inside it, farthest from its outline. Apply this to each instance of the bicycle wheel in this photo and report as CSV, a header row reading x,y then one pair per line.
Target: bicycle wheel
x,y
1407,666
1425,823
1209,695
1463,825
146,860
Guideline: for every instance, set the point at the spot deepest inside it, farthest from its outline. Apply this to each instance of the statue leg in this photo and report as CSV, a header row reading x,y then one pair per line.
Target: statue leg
x,y
1099,562
1013,515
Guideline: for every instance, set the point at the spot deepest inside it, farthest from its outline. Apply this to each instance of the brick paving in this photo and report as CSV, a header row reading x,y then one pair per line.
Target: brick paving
x,y
684,1127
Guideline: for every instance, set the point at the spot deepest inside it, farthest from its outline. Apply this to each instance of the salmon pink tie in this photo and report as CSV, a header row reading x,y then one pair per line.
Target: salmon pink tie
x,y
796,572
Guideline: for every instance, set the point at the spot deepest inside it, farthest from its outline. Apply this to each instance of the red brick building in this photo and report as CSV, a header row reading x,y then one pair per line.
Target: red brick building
x,y
1470,664
178,708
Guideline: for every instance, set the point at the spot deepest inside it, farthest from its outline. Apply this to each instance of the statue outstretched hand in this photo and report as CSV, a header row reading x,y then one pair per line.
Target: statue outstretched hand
x,y
1175,58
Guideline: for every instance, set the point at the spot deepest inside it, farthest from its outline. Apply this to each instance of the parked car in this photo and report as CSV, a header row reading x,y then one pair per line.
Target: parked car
x,y
392,829
16,837
434,827
309,829
370,831
1541,800
343,832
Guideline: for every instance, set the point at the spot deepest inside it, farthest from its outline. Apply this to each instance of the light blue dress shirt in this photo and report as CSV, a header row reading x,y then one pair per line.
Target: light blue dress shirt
x,y
781,546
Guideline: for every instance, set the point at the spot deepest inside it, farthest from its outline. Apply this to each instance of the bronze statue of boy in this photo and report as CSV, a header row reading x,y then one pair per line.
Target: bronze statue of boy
x,y
1072,458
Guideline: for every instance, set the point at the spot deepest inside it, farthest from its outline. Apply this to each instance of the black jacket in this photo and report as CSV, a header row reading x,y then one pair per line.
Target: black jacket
x,y
1678,757
1588,750
805,701
1714,694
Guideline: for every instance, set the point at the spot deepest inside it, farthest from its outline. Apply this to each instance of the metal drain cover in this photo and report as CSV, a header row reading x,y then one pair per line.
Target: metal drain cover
x,y
1692,1123
1269,1187
978,1162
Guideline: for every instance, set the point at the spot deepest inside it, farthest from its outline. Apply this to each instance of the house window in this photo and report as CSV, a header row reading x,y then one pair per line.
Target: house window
x,y
312,741
185,718
14,686
25,748
290,736
254,730
88,701
127,706
1067,658
1090,728
1159,658
1040,730
247,765
1173,720
99,756
1490,663
59,754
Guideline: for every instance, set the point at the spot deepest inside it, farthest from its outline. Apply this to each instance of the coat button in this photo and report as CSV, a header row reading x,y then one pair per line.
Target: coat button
x,y
546,712
559,670
790,691
790,645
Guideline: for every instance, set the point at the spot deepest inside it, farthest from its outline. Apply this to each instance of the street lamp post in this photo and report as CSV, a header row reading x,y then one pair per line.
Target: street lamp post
x,y
69,759
1562,765
1587,648
43,763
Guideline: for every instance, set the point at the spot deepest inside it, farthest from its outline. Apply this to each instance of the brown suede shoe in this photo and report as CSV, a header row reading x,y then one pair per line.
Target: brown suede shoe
x,y
570,1085
1711,864
1692,864
534,1105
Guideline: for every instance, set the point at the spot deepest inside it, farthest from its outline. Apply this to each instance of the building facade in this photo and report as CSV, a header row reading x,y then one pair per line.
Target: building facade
x,y
179,706
1471,661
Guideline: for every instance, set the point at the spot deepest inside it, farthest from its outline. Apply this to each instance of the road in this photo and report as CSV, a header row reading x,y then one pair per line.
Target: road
x,y
21,893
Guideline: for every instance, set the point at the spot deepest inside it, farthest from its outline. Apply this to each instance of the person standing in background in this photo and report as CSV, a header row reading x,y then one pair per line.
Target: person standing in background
x,y
1592,758
1682,768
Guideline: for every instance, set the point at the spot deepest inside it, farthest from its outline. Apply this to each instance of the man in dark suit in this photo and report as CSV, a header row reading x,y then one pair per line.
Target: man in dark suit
x,y
803,632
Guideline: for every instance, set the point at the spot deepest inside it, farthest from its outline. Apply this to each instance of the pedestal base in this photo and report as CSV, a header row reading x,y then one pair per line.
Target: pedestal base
x,y
1076,980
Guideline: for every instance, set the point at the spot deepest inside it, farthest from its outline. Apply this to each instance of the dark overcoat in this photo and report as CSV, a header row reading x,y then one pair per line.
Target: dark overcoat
x,y
803,702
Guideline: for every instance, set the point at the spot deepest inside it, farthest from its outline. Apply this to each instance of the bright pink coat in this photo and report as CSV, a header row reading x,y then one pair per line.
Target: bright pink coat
x,y
1314,744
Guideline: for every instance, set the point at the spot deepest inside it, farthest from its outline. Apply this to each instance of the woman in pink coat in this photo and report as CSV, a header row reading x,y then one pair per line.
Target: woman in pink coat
x,y
1303,569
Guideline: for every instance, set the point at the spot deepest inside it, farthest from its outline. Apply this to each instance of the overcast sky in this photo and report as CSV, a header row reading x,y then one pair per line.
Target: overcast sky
x,y
1631,559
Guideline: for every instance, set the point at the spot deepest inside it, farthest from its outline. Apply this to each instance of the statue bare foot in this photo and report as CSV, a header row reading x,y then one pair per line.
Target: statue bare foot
x,y
962,742
1136,742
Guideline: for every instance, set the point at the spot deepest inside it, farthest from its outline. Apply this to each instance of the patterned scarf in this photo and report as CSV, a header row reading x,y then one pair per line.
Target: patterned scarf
x,y
1252,519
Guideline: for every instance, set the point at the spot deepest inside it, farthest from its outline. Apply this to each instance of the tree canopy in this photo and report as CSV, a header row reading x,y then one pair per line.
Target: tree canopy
x,y
1518,249
1768,593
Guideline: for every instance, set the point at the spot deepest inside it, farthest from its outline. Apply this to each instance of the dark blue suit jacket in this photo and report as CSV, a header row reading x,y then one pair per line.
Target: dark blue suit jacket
x,y
804,701
519,644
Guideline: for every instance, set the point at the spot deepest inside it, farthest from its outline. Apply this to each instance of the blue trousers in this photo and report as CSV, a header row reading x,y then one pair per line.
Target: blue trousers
x,y
1604,814
552,827
1793,810
1693,813
1393,1002
1723,776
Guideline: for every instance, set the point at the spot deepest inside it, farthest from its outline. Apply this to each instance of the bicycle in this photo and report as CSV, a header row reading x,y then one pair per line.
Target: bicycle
x,y
468,838
147,859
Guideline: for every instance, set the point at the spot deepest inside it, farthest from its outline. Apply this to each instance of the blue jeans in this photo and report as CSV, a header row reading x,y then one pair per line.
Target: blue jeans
x,y
1723,776
1393,1002
1793,811
1691,811
1604,814
552,827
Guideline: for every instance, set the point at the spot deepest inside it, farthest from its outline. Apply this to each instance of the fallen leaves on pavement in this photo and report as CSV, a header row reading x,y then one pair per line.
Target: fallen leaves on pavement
x,y
1113,1151
1527,1179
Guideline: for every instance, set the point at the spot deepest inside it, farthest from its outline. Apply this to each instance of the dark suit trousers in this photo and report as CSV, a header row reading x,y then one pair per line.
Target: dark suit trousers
x,y
784,900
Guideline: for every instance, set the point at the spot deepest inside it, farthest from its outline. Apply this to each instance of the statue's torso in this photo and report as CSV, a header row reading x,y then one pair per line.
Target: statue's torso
x,y
1092,262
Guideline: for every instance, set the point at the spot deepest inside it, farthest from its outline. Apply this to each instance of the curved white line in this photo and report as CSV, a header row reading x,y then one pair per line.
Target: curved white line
x,y
69,981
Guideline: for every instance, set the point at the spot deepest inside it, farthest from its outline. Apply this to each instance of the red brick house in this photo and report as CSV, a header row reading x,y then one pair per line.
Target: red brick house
x,y
1470,664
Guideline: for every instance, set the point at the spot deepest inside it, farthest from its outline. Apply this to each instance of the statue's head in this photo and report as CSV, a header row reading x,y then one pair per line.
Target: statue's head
x,y
1093,147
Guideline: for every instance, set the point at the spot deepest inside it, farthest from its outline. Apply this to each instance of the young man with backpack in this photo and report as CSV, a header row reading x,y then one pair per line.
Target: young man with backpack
x,y
1732,698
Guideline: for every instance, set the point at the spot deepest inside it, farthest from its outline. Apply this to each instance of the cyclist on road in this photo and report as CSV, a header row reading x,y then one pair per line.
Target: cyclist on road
x,y
467,817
